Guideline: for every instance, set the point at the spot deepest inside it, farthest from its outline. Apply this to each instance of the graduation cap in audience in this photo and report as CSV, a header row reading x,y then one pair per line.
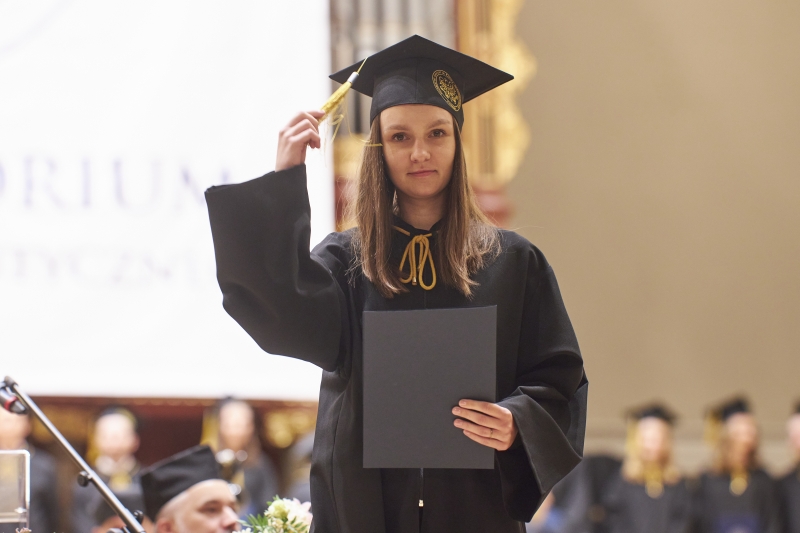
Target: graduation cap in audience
x,y
719,414
653,410
727,409
419,71
131,499
168,478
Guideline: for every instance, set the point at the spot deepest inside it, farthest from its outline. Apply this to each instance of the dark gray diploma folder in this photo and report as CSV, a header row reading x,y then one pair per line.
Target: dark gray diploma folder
x,y
417,366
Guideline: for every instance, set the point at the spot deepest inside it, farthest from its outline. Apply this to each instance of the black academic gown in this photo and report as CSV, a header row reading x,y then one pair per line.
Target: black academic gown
x,y
789,489
629,509
305,305
717,510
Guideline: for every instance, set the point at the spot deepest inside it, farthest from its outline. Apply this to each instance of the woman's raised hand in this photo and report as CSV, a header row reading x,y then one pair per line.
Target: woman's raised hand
x,y
300,133
486,423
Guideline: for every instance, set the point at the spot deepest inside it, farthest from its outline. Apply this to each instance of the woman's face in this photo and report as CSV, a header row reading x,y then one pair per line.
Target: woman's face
x,y
742,436
654,436
236,425
419,147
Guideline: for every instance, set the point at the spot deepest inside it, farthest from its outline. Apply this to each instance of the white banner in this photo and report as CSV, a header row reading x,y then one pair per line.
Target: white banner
x,y
115,116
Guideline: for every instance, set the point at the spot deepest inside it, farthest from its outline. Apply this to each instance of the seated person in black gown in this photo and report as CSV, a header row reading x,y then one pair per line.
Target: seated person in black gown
x,y
112,446
185,493
414,201
789,485
648,493
235,441
14,432
736,495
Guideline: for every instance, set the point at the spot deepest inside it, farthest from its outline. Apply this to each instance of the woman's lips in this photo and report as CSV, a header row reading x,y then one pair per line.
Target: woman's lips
x,y
421,173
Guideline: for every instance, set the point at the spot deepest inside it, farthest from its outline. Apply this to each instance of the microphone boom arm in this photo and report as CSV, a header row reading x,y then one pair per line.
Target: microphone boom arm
x,y
87,475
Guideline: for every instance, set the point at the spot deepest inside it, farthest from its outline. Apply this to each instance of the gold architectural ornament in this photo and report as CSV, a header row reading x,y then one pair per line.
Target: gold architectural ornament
x,y
496,136
283,427
75,423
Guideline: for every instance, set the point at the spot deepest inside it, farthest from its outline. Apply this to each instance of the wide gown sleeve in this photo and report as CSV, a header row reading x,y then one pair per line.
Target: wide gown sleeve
x,y
549,403
285,297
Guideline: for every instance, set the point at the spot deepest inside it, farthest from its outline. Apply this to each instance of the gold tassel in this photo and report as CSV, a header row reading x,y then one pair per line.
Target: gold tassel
x,y
337,97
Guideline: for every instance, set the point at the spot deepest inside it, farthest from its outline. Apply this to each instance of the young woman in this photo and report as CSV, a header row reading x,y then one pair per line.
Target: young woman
x,y
413,198
736,494
648,493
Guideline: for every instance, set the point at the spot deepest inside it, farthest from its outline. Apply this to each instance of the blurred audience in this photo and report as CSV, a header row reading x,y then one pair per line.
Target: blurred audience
x,y
113,442
299,485
208,488
648,493
789,485
230,430
736,495
185,493
14,432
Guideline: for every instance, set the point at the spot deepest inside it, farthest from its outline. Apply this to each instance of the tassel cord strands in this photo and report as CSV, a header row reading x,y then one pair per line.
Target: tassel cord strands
x,y
417,264
336,99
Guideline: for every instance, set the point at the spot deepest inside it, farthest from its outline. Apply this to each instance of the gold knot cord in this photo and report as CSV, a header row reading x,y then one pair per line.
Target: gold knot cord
x,y
417,265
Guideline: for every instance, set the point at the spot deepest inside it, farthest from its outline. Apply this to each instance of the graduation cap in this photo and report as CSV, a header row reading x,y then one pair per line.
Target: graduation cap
x,y
653,410
419,71
130,499
168,478
727,409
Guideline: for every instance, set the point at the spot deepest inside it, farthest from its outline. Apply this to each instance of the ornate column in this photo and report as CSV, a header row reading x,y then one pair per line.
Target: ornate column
x,y
496,135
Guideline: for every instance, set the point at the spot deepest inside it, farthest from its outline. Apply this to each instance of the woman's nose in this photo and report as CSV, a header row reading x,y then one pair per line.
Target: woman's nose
x,y
420,152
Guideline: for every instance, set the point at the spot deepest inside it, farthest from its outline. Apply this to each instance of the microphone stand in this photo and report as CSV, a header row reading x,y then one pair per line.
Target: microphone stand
x,y
87,475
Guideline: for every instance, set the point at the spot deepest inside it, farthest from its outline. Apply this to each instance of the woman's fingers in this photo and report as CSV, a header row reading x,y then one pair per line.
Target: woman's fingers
x,y
491,443
477,429
300,133
312,116
491,409
487,423
307,137
478,418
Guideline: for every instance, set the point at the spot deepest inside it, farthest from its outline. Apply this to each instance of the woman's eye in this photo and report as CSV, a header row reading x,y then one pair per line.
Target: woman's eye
x,y
399,137
438,133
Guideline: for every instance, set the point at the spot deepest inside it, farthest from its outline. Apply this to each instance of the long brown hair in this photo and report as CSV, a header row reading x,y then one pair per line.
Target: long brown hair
x,y
466,239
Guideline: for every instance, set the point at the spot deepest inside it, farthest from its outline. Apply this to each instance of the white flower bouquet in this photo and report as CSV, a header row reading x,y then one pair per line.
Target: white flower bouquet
x,y
282,516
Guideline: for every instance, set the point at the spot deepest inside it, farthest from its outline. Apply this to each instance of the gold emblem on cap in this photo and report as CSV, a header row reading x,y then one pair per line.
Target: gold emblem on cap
x,y
447,89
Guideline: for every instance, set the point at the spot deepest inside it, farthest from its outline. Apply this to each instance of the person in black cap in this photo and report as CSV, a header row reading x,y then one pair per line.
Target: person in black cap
x,y
648,493
736,494
789,484
420,242
186,494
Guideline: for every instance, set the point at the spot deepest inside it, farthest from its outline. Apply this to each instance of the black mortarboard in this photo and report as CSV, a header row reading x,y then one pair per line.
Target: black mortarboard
x,y
168,478
653,410
131,499
727,409
419,71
